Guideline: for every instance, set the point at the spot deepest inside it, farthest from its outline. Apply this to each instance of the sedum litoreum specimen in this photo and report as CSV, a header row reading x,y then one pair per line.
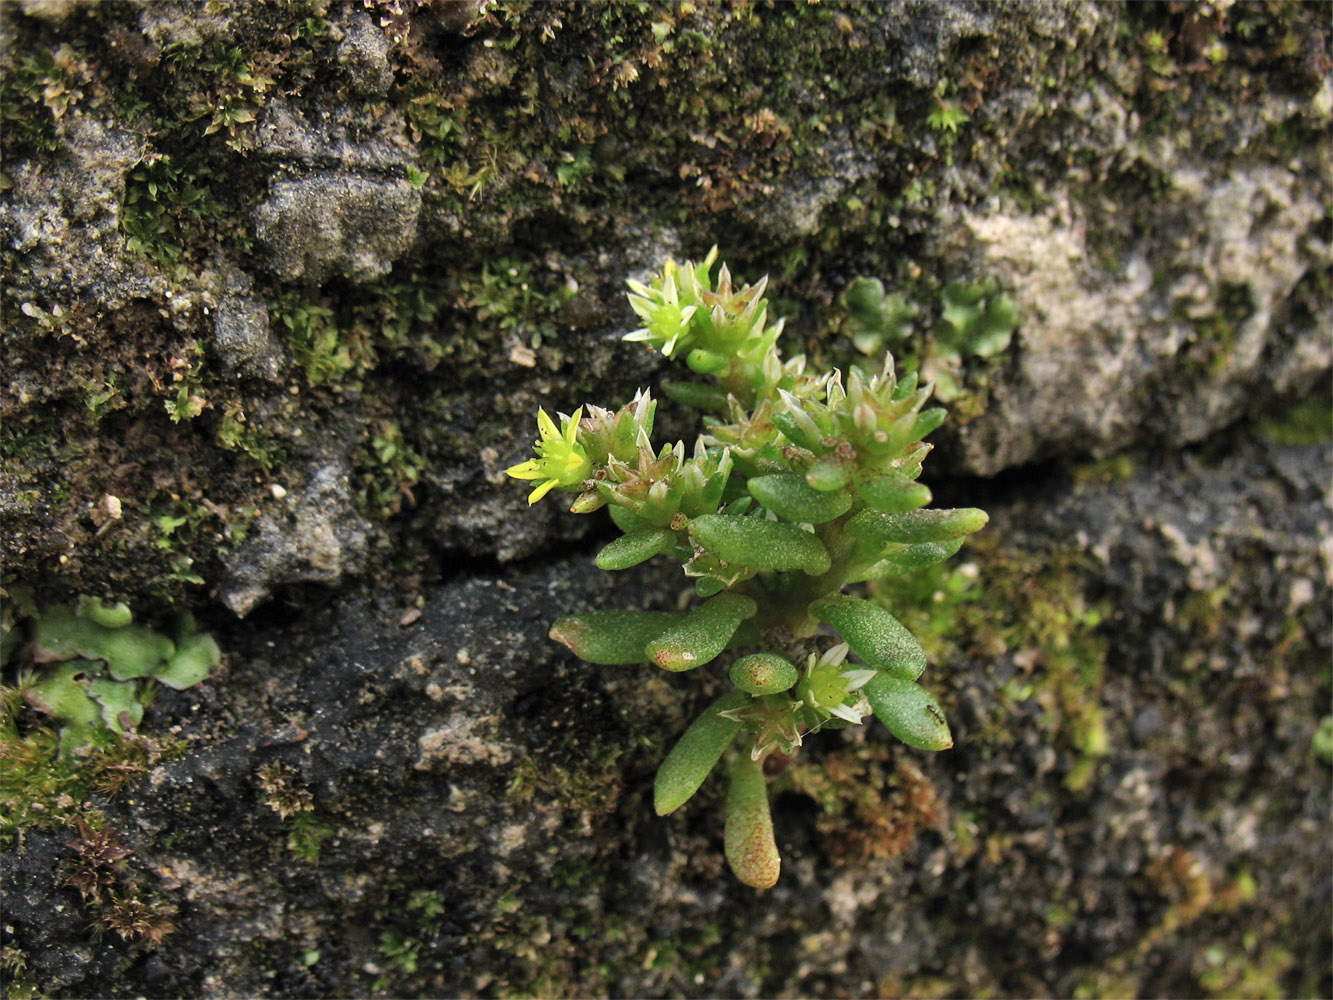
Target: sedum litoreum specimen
x,y
801,484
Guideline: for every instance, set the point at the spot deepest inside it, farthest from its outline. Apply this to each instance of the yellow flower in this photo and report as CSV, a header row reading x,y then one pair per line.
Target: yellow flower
x,y
561,461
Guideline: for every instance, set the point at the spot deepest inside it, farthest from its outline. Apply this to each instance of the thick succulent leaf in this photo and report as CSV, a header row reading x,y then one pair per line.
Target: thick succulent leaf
x,y
630,550
909,710
707,362
613,637
923,554
759,544
926,421
750,847
702,634
874,635
829,472
879,529
764,673
891,492
906,386
908,559
696,753
790,497
191,663
626,520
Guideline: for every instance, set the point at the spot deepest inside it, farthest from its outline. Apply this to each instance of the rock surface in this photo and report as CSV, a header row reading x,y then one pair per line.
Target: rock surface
x,y
284,289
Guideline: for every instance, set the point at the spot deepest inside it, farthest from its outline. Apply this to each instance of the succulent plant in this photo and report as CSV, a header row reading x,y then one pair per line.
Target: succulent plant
x,y
802,484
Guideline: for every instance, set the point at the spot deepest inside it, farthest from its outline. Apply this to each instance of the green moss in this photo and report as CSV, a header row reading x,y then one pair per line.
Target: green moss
x,y
873,802
167,206
43,788
1107,471
306,837
388,470
40,86
594,787
1033,612
1306,421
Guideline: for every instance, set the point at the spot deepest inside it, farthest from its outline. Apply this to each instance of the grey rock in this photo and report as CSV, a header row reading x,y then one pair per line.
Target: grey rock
x,y
336,223
798,206
335,140
1095,352
244,340
54,11
318,538
190,25
478,761
62,219
364,56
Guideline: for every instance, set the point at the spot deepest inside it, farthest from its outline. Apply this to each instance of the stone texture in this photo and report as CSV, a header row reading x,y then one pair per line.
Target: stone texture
x,y
481,822
62,220
317,537
335,223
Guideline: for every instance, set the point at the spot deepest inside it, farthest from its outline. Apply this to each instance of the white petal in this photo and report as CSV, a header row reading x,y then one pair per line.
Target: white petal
x,y
848,713
856,679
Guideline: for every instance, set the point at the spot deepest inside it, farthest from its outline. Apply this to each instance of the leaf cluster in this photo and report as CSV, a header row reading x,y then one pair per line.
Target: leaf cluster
x,y
98,668
801,484
975,323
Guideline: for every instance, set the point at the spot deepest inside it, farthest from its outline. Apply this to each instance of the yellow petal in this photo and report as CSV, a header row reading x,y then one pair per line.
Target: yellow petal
x,y
541,491
546,425
524,470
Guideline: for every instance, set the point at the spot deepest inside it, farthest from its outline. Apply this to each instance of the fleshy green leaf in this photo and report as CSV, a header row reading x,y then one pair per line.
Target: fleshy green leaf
x,y
910,711
829,472
763,673
790,497
708,362
696,753
626,520
909,558
880,529
702,634
927,421
613,637
630,550
760,544
874,635
751,850
891,492
923,554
